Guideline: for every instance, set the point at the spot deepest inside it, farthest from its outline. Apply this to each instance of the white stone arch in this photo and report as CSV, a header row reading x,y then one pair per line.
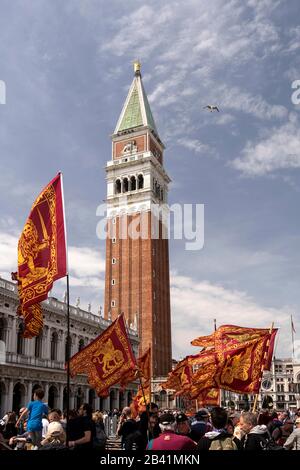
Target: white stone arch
x,y
19,396
3,328
54,339
53,396
140,180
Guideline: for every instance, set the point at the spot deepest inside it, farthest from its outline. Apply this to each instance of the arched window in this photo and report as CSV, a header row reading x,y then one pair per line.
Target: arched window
x,y
54,342
140,182
133,183
2,329
80,344
20,340
38,345
125,185
118,187
66,348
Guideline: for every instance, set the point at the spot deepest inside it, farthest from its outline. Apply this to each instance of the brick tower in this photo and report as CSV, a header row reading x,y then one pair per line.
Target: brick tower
x,y
137,253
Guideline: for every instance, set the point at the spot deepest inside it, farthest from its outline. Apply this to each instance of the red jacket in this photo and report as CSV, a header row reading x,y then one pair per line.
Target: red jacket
x,y
171,441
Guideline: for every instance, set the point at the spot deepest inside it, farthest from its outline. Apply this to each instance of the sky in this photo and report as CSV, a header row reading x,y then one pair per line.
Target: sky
x,y
67,68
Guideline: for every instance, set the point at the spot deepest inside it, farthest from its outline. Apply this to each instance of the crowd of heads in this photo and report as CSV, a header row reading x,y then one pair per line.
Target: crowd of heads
x,y
215,428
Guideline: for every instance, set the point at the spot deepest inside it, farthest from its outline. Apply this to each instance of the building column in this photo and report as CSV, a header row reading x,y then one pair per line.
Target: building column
x,y
9,396
29,347
97,403
48,344
61,397
44,343
61,352
29,391
13,336
105,404
46,390
87,395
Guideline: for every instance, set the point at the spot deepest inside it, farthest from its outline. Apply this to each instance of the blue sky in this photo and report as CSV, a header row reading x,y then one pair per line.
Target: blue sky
x,y
67,66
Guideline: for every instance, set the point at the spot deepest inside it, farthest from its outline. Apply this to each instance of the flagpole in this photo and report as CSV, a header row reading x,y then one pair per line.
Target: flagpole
x,y
220,394
68,348
68,360
262,368
293,345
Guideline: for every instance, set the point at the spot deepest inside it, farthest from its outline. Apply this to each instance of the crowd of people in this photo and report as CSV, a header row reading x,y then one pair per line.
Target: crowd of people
x,y
39,428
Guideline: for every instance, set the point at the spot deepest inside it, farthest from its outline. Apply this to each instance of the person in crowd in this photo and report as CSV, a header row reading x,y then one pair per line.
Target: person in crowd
x,y
256,436
45,424
230,427
148,426
54,416
153,408
234,416
10,429
183,425
55,437
153,428
168,439
100,437
19,441
276,421
218,438
127,429
83,429
293,441
201,425
281,433
35,410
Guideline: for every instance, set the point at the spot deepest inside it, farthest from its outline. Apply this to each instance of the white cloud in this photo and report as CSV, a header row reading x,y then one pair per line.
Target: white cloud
x,y
8,254
196,304
279,150
196,146
238,100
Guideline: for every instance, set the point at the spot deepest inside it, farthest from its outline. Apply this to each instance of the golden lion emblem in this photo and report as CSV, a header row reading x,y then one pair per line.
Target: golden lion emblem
x,y
237,368
28,250
110,357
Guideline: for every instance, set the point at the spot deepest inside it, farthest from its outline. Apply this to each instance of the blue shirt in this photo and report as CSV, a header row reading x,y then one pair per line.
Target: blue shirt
x,y
36,411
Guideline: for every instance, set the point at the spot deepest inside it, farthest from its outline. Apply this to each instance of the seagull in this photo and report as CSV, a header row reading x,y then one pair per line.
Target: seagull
x,y
211,108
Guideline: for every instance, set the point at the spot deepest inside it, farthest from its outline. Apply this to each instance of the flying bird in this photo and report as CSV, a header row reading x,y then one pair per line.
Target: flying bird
x,y
211,108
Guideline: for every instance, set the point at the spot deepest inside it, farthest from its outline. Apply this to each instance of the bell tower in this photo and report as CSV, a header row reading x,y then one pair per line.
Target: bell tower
x,y
137,253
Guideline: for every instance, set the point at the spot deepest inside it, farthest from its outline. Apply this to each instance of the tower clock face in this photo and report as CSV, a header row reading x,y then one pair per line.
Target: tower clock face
x,y
267,384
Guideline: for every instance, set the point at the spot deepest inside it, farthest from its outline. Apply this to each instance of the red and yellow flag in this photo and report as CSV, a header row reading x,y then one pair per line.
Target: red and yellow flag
x,y
138,402
241,354
41,254
107,359
142,370
209,397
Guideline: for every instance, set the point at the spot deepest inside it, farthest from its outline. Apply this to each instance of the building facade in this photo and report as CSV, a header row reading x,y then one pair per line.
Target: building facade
x,y
137,254
280,388
26,364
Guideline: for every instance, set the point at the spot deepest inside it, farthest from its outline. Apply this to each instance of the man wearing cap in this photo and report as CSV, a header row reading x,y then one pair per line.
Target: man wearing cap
x,y
183,425
201,425
293,441
169,440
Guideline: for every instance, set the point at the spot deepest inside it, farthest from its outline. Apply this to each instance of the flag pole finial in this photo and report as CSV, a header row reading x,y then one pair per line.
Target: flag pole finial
x,y
137,67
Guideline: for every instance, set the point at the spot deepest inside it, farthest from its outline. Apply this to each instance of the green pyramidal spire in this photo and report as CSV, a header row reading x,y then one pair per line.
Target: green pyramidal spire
x,y
136,111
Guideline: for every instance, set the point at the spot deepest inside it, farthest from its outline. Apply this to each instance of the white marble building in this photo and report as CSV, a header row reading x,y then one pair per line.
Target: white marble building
x,y
26,364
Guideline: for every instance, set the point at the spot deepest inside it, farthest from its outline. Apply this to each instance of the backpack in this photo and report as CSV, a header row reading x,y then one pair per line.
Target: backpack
x,y
223,444
100,438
